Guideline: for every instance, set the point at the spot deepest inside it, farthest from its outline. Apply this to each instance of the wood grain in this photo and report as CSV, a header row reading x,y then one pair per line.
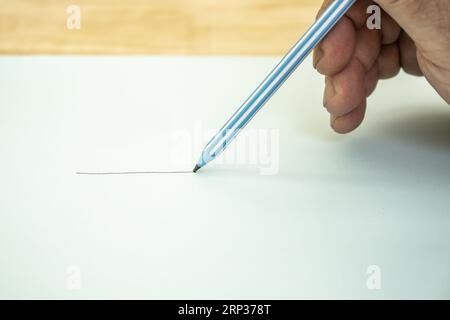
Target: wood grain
x,y
175,27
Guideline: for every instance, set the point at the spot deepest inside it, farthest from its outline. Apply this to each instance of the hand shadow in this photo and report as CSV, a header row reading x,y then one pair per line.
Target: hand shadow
x,y
428,129
406,146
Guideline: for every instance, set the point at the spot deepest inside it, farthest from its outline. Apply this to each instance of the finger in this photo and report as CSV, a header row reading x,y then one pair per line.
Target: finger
x,y
342,33
390,31
349,122
324,6
345,90
368,45
408,55
412,16
389,61
371,80
340,38
336,50
358,13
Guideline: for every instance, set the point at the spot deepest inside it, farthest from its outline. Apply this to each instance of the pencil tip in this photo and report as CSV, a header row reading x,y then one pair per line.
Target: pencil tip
x,y
197,167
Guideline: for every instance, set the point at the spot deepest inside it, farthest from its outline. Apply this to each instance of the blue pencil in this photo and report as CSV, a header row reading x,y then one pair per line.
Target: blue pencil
x,y
334,12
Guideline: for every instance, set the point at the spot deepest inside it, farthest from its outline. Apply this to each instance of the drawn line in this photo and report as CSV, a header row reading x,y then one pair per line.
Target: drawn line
x,y
132,172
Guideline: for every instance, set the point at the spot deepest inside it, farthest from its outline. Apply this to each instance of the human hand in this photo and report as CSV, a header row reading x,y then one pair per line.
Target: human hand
x,y
414,36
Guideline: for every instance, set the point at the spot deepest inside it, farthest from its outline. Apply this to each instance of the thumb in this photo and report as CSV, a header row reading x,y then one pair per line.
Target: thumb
x,y
427,23
416,17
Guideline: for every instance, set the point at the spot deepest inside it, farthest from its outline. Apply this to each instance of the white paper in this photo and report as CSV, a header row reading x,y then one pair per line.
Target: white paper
x,y
317,215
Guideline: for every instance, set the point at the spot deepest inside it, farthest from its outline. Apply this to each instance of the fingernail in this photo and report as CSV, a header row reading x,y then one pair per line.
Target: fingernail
x,y
317,56
329,91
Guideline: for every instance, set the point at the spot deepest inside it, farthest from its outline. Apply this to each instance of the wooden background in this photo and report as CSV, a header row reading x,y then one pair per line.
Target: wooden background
x,y
175,27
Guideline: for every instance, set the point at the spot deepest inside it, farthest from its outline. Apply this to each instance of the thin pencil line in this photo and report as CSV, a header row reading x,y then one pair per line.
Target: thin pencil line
x,y
132,172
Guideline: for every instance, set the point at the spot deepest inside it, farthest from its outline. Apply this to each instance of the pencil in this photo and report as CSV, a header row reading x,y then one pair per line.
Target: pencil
x,y
323,25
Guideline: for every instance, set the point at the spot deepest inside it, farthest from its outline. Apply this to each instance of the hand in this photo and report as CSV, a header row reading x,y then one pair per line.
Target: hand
x,y
414,35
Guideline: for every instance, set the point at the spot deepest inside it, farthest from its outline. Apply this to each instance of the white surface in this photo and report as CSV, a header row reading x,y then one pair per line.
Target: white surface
x,y
339,204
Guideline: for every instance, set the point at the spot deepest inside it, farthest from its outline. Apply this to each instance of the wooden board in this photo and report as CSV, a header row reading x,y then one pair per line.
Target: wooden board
x,y
176,27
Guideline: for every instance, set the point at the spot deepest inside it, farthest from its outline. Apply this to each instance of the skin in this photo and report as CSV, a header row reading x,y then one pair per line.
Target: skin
x,y
414,36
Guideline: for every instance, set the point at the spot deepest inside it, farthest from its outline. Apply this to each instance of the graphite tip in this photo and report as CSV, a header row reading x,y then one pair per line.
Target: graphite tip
x,y
197,167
